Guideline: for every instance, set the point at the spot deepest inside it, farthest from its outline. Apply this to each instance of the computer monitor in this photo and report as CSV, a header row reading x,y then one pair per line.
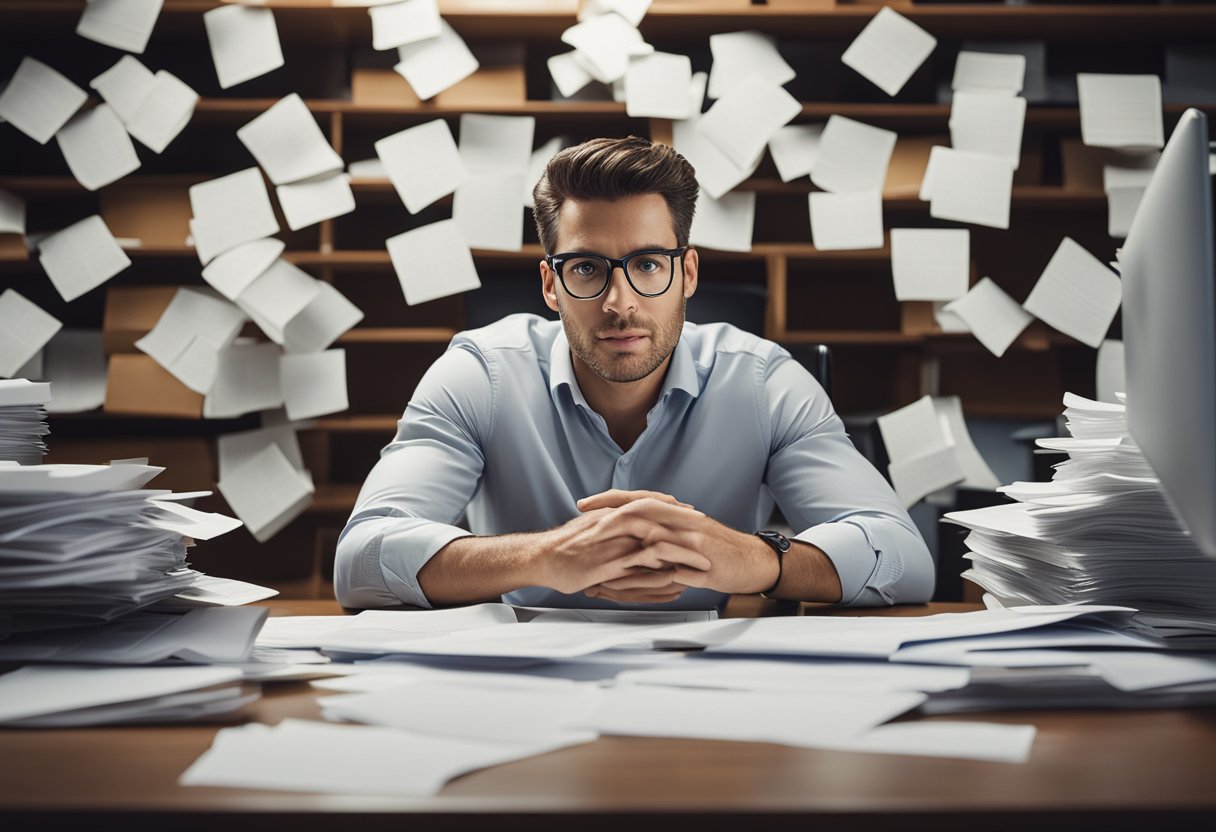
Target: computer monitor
x,y
1169,328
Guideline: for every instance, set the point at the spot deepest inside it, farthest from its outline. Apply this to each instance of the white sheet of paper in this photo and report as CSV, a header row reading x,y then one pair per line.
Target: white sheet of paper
x,y
889,50
432,262
81,257
568,74
404,22
976,471
605,44
234,448
229,211
936,153
1133,171
496,144
631,10
197,525
1121,205
123,24
537,164
911,431
990,742
244,43
124,86
189,335
265,491
233,271
852,156
97,148
314,383
993,317
846,221
794,149
431,66
741,122
656,86
488,211
1120,110
246,380
288,143
423,163
992,72
811,676
12,213
320,323
279,294
930,263
716,173
739,55
164,113
1077,294
39,100
305,756
1112,378
983,122
24,330
75,364
724,224
969,187
310,201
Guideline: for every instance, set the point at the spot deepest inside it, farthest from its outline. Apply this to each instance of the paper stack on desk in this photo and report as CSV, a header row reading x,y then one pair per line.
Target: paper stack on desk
x,y
23,420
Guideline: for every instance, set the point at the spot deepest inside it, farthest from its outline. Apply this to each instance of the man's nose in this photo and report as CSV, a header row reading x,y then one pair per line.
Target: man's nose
x,y
619,296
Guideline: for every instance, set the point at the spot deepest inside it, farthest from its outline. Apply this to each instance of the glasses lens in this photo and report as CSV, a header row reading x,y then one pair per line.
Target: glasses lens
x,y
650,274
584,277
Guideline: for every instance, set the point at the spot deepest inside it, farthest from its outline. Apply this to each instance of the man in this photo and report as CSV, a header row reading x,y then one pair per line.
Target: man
x,y
622,456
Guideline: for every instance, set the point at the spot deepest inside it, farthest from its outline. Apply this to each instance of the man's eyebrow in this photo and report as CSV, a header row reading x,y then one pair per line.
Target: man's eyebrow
x,y
643,247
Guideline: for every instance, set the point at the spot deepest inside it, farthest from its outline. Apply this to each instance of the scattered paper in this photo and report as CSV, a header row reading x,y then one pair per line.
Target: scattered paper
x,y
229,211
716,173
568,74
81,257
1121,205
266,492
244,43
1112,378
432,262
246,380
233,271
24,330
164,113
852,156
889,50
995,318
97,148
310,201
631,10
404,22
123,24
737,56
488,211
187,339
75,363
539,161
496,144
724,224
846,221
38,100
794,149
124,86
604,44
976,471
423,163
277,295
314,383
234,448
930,263
656,86
989,72
288,143
923,459
981,122
431,66
1120,110
741,122
320,323
968,187
1077,294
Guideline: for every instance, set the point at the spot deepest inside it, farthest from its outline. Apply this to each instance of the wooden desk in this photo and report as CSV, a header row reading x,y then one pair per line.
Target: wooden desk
x,y
1102,770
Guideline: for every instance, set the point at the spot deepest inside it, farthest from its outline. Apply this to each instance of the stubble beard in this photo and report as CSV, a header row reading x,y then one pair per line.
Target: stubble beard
x,y
624,368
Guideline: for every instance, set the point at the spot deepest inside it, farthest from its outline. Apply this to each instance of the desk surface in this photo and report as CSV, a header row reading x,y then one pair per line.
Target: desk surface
x,y
1107,769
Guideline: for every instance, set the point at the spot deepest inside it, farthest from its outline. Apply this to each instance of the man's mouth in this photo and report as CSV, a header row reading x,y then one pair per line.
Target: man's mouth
x,y
627,337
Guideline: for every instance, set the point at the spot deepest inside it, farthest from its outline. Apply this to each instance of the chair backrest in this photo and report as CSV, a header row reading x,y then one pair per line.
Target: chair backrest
x,y
742,304
817,359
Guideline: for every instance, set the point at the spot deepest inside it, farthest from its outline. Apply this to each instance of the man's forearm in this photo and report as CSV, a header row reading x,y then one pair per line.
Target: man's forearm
x,y
807,574
471,569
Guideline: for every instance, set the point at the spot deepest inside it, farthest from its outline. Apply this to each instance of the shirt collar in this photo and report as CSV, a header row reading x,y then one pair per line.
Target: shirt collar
x,y
681,371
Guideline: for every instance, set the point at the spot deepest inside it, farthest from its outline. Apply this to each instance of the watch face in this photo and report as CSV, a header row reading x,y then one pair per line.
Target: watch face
x,y
776,540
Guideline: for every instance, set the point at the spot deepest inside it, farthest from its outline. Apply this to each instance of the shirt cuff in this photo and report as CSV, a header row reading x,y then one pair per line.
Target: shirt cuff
x,y
849,550
403,553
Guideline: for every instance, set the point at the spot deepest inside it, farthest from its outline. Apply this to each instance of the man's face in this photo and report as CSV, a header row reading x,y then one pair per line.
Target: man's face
x,y
620,335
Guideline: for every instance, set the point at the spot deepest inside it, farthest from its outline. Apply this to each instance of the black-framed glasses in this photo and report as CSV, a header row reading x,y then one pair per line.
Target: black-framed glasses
x,y
586,276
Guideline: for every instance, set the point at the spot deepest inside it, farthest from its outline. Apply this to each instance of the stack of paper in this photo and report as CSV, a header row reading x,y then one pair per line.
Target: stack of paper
x,y
23,420
84,543
1101,532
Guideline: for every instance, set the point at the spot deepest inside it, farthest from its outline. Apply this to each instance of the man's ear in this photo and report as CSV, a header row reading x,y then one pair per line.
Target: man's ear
x,y
692,262
547,285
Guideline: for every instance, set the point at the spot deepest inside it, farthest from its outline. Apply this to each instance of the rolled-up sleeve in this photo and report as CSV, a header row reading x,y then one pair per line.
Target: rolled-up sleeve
x,y
834,498
420,486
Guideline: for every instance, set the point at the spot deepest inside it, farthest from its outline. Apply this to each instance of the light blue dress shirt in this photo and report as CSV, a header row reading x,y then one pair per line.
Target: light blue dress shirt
x,y
499,427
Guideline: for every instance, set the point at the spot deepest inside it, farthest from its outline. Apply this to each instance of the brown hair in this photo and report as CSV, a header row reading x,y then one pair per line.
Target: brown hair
x,y
611,169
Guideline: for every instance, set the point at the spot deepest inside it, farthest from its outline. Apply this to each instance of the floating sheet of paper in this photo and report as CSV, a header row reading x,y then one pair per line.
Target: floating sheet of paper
x,y
24,330
923,459
432,262
976,471
81,257
496,144
1121,205
656,86
568,74
423,163
488,211
234,448
76,367
993,317
794,149
1112,378
889,50
852,156
39,100
233,271
930,263
724,224
1076,294
310,201
244,43
279,294
982,122
404,22
716,173
196,525
186,340
321,322
431,66
314,383
12,213
288,143
1120,110
246,380
847,220
229,211
605,43
991,72
1133,171
266,492
539,161
969,187
631,10
164,113
123,24
97,148
741,122
740,55
124,86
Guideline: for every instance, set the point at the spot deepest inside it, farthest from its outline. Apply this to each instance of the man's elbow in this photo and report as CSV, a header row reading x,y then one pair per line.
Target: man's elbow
x,y
358,581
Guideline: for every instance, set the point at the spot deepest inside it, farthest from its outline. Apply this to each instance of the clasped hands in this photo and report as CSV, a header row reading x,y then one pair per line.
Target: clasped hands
x,y
648,547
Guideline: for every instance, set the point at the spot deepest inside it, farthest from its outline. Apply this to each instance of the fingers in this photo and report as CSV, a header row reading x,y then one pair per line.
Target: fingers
x,y
665,554
690,577
634,596
617,497
652,579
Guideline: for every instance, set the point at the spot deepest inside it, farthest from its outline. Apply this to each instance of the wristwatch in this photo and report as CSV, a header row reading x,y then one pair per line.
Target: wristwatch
x,y
781,545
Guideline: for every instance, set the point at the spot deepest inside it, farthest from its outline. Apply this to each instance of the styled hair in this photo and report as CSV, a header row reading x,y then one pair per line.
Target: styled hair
x,y
612,169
